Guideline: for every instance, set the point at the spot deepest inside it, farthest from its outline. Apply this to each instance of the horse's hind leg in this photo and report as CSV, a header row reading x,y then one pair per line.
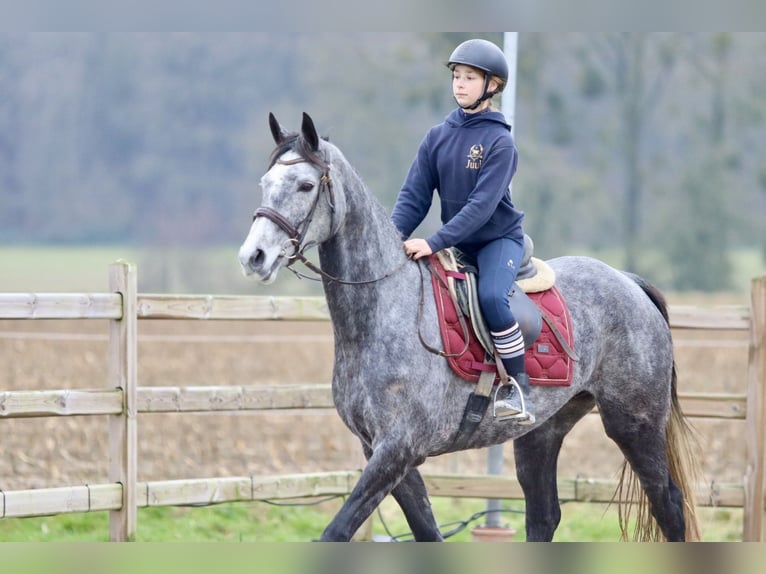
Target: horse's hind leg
x,y
643,443
536,454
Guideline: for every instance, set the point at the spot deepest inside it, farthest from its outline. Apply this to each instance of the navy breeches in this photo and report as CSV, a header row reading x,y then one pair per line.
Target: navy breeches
x,y
498,264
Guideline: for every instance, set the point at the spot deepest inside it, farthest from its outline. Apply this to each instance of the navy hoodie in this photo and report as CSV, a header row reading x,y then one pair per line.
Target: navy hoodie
x,y
469,159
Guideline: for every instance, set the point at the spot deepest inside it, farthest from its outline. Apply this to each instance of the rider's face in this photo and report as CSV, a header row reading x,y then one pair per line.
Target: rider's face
x,y
468,85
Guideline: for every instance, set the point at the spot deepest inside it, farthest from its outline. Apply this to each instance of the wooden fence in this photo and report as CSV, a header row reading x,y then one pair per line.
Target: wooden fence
x,y
124,399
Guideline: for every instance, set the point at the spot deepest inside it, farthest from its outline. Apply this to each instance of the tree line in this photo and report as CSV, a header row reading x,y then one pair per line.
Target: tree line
x,y
645,143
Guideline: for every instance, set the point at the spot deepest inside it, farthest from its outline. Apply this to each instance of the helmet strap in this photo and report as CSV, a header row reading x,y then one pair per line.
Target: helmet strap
x,y
485,95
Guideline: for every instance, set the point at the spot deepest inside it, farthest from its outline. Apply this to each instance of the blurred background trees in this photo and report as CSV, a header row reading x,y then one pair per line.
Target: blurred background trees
x,y
645,146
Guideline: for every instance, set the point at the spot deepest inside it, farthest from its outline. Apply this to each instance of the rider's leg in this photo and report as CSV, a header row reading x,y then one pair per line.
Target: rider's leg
x,y
498,265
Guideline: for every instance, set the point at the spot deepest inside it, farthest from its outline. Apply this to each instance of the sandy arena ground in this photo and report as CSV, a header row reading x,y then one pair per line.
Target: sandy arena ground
x,y
43,452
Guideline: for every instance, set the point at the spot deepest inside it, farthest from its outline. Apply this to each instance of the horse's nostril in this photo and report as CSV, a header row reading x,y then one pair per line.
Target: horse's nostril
x,y
256,259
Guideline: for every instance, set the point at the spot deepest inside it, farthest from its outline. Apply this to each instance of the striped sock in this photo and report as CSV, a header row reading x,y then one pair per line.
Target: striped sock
x,y
510,347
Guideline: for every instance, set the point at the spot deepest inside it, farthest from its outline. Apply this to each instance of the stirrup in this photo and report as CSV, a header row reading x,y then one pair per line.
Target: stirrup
x,y
523,416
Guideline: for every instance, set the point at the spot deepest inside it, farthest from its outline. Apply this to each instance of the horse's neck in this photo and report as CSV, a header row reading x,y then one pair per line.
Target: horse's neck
x,y
367,247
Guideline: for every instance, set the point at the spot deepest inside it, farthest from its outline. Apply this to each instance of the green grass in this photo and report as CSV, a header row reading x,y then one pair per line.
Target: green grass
x,y
45,269
231,522
261,522
215,269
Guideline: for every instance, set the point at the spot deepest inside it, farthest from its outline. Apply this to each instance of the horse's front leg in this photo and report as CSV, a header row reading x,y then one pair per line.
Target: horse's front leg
x,y
412,497
385,469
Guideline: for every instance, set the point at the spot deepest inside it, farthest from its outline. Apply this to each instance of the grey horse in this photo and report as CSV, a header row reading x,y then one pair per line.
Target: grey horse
x,y
405,404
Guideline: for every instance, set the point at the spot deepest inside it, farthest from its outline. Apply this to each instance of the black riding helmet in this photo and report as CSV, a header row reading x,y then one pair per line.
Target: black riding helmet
x,y
485,56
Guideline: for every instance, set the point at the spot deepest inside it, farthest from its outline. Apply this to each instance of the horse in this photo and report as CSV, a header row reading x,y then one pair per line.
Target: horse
x,y
404,403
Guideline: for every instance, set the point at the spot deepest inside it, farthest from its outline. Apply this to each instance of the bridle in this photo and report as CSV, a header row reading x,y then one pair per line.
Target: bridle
x,y
296,234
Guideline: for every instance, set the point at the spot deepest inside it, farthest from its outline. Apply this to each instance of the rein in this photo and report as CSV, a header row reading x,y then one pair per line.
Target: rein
x,y
461,319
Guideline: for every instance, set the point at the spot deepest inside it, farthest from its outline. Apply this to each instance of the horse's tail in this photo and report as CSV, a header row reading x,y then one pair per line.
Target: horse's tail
x,y
681,448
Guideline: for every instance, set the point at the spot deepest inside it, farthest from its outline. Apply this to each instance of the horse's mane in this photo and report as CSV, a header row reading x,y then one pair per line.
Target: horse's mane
x,y
295,142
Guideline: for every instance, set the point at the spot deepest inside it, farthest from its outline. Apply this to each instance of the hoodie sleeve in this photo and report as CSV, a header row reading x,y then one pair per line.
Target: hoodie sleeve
x,y
492,184
417,192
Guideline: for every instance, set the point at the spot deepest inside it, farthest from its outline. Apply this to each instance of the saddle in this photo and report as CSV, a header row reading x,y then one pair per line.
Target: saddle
x,y
536,304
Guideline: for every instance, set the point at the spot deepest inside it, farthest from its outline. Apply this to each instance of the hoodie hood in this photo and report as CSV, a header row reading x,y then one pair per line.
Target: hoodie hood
x,y
458,118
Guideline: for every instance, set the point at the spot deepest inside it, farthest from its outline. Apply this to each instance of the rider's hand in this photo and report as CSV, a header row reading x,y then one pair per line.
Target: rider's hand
x,y
417,248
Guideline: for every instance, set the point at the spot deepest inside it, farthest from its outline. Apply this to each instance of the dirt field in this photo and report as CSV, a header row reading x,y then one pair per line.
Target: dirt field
x,y
73,354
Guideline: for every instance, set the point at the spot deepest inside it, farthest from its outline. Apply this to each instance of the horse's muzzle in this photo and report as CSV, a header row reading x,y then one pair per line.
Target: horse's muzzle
x,y
257,264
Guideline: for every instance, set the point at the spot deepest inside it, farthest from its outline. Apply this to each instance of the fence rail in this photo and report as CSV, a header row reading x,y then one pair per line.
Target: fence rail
x,y
124,400
206,491
52,403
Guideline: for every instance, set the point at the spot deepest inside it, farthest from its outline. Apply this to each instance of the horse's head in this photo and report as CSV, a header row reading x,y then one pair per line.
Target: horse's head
x,y
299,208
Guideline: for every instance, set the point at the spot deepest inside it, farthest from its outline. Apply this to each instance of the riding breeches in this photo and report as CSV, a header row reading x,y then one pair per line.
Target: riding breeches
x,y
498,264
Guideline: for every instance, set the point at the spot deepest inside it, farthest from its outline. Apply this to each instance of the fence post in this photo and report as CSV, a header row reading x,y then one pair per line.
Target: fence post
x,y
123,439
756,415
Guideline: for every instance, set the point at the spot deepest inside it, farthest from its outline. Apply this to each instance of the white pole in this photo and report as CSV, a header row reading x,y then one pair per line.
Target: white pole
x,y
508,102
508,107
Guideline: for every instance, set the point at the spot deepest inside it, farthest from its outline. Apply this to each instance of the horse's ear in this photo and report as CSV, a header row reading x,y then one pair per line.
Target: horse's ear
x,y
310,132
277,132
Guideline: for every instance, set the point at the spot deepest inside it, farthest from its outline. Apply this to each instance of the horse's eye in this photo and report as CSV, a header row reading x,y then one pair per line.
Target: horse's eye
x,y
306,186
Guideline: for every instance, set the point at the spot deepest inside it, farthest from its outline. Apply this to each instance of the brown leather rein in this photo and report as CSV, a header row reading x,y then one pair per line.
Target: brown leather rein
x,y
296,236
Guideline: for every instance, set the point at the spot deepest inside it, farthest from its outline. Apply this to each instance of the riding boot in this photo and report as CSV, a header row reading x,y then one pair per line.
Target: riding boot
x,y
517,405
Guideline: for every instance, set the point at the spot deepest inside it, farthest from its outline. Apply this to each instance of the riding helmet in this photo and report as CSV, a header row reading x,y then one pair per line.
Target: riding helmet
x,y
481,54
